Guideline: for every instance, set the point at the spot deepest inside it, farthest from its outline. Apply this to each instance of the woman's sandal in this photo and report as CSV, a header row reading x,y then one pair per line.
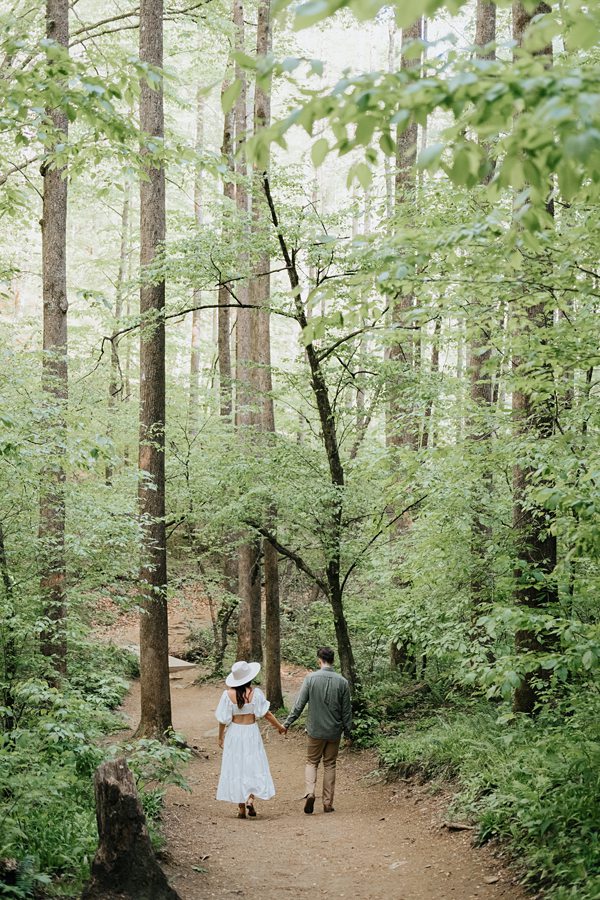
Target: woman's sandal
x,y
241,812
251,810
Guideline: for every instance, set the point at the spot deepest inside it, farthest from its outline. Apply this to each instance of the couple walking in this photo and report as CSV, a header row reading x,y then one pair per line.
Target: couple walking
x,y
245,773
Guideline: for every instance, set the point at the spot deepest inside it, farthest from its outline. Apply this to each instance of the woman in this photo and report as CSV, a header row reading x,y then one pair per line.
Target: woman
x,y
245,772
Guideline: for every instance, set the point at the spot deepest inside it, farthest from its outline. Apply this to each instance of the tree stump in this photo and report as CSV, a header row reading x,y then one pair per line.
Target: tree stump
x,y
125,867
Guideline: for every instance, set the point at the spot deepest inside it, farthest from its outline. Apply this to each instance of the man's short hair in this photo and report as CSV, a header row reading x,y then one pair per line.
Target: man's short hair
x,y
326,654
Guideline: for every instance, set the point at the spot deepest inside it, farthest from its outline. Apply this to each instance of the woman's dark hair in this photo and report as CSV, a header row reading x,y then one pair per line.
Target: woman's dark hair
x,y
240,693
326,654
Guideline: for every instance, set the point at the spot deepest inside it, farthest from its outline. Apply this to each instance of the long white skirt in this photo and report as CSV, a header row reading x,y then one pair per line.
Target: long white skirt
x,y
244,767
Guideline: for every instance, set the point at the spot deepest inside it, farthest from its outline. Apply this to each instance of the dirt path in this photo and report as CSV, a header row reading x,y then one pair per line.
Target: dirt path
x,y
383,841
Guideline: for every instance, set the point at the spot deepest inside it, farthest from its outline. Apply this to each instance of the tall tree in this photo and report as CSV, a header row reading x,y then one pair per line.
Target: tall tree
x,y
223,316
154,635
115,384
260,292
54,367
534,420
197,295
480,374
249,645
402,429
334,583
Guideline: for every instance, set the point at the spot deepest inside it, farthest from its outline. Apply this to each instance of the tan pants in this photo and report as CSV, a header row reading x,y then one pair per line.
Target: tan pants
x,y
327,751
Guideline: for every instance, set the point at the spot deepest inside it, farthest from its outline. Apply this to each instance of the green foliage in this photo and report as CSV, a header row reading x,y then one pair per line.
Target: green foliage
x,y
534,784
47,760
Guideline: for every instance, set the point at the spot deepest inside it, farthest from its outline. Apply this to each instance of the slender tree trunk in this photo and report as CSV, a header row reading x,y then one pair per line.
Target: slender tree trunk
x,y
388,171
249,644
54,374
154,636
434,368
260,289
196,295
224,319
402,426
115,386
332,451
481,383
8,648
403,429
533,418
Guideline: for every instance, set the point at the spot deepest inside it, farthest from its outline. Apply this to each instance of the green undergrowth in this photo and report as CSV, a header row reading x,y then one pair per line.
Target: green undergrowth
x,y
533,783
50,745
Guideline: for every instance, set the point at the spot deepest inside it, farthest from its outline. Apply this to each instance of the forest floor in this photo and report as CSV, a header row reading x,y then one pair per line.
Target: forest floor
x,y
385,840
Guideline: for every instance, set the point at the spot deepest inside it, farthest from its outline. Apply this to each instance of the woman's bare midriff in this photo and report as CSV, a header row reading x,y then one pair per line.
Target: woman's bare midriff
x,y
245,719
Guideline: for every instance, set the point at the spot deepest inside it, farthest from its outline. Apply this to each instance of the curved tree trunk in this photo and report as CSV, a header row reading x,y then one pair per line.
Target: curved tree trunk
x,y
154,636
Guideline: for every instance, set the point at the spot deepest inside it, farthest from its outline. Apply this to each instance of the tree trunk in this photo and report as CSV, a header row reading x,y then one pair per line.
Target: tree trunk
x,y
536,546
8,649
154,636
260,289
403,430
332,451
402,426
388,172
115,386
196,295
434,368
249,626
481,385
224,319
54,375
124,867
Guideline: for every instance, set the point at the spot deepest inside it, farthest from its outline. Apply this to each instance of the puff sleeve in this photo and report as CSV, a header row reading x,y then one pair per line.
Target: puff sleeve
x,y
261,704
224,710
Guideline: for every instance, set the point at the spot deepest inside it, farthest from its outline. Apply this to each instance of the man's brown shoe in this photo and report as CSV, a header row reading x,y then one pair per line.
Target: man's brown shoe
x,y
309,804
328,809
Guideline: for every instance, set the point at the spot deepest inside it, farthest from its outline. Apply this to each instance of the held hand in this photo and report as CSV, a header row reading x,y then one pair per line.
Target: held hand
x,y
282,730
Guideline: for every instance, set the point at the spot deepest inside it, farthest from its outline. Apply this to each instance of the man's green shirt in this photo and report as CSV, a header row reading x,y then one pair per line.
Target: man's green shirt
x,y
329,706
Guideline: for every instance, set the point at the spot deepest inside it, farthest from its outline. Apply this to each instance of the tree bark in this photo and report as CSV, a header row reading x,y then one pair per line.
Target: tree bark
x,y
196,295
249,644
260,290
332,451
115,386
533,417
124,867
224,319
481,387
54,374
154,637
403,429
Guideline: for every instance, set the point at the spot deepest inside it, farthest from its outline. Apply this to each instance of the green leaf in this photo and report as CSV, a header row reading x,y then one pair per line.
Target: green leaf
x,y
319,151
230,95
430,156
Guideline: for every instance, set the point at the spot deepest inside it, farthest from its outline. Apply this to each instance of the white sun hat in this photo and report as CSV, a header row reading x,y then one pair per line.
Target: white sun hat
x,y
241,673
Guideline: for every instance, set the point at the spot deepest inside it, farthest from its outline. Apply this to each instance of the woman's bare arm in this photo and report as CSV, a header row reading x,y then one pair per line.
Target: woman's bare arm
x,y
275,723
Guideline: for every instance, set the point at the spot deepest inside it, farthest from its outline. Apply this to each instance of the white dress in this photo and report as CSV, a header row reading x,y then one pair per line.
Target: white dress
x,y
244,766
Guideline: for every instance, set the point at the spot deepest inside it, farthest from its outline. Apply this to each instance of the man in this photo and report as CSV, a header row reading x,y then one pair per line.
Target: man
x,y
329,715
